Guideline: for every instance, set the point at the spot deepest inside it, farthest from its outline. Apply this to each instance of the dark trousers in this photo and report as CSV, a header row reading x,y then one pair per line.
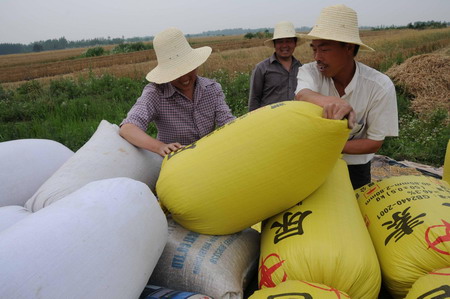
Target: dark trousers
x,y
359,174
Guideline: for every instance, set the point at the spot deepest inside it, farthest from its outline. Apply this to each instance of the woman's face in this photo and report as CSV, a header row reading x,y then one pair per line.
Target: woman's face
x,y
185,82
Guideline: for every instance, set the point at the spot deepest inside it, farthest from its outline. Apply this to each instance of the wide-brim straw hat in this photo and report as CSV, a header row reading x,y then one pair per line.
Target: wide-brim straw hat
x,y
283,29
175,56
338,23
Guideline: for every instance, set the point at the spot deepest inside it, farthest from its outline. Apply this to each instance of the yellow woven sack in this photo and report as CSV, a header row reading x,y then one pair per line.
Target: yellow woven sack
x,y
299,290
324,240
253,168
446,176
433,285
408,218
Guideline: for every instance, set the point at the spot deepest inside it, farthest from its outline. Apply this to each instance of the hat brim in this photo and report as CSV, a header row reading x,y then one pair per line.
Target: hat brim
x,y
179,67
363,46
269,43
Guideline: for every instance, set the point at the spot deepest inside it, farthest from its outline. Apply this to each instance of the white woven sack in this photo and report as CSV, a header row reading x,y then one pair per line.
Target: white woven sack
x,y
9,215
25,164
217,266
102,241
105,155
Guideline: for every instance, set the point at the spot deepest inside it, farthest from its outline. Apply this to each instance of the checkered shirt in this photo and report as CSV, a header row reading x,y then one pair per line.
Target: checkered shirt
x,y
177,118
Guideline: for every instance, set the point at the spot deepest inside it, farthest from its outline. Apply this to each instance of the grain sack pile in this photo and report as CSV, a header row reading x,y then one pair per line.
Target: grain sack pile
x,y
322,240
408,220
251,169
101,241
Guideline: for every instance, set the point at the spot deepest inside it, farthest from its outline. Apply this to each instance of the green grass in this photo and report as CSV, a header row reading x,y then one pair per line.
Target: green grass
x,y
421,139
69,111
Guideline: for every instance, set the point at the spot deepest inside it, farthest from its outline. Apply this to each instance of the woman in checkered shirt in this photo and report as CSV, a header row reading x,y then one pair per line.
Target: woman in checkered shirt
x,y
184,106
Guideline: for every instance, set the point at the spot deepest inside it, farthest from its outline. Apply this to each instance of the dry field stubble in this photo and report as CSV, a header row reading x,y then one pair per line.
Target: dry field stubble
x,y
14,69
230,53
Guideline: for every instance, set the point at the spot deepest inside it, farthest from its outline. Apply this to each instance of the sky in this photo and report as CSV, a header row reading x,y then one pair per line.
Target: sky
x,y
27,21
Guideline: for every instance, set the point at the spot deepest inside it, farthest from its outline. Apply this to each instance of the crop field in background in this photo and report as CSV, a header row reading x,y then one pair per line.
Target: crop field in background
x,y
61,96
230,53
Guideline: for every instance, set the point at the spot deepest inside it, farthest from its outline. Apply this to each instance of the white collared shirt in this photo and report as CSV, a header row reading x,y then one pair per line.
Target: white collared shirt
x,y
370,93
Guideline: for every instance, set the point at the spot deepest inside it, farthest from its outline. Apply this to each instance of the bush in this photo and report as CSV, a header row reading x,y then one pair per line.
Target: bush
x,y
249,35
131,47
66,88
29,91
96,51
236,89
5,94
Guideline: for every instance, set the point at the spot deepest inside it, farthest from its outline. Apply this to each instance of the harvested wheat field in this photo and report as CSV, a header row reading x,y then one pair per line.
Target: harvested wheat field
x,y
427,78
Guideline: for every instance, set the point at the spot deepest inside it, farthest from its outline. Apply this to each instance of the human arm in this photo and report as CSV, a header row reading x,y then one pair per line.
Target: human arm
x,y
256,89
134,135
377,117
333,107
362,146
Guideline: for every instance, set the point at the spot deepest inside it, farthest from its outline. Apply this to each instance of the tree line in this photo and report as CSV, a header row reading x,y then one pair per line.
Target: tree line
x,y
63,43
417,25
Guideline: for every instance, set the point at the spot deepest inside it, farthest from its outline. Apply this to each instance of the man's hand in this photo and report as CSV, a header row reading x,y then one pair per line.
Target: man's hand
x,y
333,107
340,110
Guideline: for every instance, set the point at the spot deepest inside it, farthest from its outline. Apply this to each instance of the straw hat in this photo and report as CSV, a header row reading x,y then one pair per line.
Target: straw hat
x,y
283,30
338,23
175,56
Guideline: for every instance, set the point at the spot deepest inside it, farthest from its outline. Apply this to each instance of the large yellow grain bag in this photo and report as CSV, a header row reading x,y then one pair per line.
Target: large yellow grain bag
x,y
408,218
324,240
433,285
299,289
446,176
248,170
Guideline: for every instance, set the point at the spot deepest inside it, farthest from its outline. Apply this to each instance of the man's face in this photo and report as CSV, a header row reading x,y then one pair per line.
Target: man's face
x,y
284,47
331,56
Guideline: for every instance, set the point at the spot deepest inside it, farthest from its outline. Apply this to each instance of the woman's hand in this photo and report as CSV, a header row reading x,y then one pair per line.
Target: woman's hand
x,y
165,149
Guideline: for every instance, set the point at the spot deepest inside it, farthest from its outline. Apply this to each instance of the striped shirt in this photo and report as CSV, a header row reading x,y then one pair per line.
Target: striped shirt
x,y
177,118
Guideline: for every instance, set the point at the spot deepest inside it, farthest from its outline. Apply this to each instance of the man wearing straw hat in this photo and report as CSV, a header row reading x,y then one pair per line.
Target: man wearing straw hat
x,y
183,106
348,88
275,78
